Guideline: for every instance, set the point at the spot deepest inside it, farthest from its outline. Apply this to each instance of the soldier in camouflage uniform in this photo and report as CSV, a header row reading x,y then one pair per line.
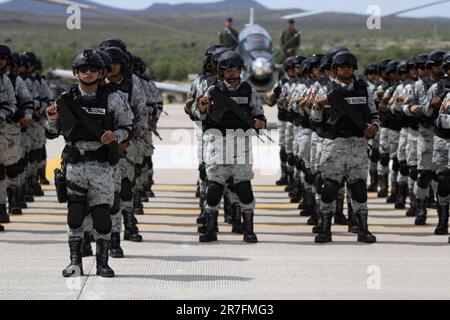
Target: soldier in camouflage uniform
x,y
8,139
89,161
223,131
290,41
229,37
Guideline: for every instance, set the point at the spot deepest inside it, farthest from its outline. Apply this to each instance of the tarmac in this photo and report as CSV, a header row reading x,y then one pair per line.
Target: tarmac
x,y
407,262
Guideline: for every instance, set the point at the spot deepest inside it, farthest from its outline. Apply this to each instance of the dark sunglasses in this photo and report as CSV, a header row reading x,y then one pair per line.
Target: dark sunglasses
x,y
85,69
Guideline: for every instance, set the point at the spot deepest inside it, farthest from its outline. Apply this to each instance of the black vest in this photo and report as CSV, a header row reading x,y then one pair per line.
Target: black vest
x,y
443,87
95,107
242,97
344,127
384,114
125,85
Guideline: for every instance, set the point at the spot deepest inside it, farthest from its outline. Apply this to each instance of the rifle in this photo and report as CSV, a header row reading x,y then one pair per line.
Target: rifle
x,y
342,108
156,133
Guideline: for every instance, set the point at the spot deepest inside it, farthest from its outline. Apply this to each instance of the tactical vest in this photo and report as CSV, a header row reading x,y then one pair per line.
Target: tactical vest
x,y
242,97
428,122
443,89
95,107
125,85
19,113
344,127
384,114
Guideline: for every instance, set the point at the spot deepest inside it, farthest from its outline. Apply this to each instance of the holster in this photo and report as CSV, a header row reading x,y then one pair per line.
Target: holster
x,y
61,185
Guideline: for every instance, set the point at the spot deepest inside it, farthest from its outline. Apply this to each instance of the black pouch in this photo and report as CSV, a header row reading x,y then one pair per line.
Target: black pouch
x,y
101,155
72,155
113,153
61,186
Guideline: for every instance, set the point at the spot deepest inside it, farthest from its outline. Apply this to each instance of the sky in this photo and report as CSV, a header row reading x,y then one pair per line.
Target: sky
x,y
355,6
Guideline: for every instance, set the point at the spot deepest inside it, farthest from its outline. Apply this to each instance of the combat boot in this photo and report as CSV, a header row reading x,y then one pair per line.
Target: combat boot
x,y
21,198
402,190
431,201
421,218
115,250
197,192
37,190
373,187
291,181
352,218
393,196
131,232
412,211
308,205
227,209
238,228
324,235
314,219
339,217
75,268
249,234
442,227
364,235
103,269
138,207
86,248
144,196
4,216
316,229
14,207
42,179
210,234
283,179
383,193
2,228
296,194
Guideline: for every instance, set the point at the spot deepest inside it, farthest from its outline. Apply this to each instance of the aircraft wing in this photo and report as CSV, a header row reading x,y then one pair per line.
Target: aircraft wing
x,y
302,14
60,73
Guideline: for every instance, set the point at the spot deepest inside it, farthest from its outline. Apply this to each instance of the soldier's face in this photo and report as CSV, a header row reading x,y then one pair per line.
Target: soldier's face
x,y
292,73
3,62
437,70
372,77
423,72
344,72
89,76
413,73
116,68
316,71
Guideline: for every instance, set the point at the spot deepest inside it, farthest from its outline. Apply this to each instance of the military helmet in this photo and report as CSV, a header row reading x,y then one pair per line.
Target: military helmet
x,y
402,66
32,58
217,54
298,61
421,60
15,58
107,61
383,64
446,61
411,63
210,51
139,64
113,42
392,66
117,55
5,51
88,58
304,66
289,63
335,50
230,60
434,58
325,63
371,69
315,59
344,58
38,65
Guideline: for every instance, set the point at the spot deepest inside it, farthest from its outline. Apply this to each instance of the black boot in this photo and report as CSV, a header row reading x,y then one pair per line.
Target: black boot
x,y
432,202
144,196
314,219
210,234
296,194
14,207
412,211
383,193
421,218
86,248
115,250
353,226
249,234
442,227
75,267
324,235
197,192
21,198
402,190
29,190
42,179
291,182
103,269
283,179
227,209
2,228
308,205
364,235
373,187
4,216
339,217
137,203
37,190
319,223
131,232
150,192
393,197
238,228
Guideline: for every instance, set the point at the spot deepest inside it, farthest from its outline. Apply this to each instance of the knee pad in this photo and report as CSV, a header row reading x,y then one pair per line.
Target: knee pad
x,y
374,155
291,159
444,184
404,170
41,154
2,172
44,153
395,165
202,171
77,211
137,169
149,162
359,191
424,179
309,177
12,171
214,193
330,190
116,205
244,192
413,172
283,155
34,155
101,218
318,183
126,190
299,164
21,165
384,159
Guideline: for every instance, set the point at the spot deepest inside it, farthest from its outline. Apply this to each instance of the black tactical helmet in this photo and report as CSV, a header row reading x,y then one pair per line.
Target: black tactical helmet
x,y
402,67
117,55
217,54
411,63
25,60
210,51
335,50
5,51
87,58
38,65
113,42
107,61
289,63
446,61
392,67
230,60
139,64
32,59
315,59
383,64
304,67
298,61
325,63
15,58
344,58
421,60
434,58
371,69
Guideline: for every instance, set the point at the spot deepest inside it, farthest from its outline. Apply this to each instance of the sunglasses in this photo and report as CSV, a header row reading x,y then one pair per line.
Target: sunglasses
x,y
85,69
